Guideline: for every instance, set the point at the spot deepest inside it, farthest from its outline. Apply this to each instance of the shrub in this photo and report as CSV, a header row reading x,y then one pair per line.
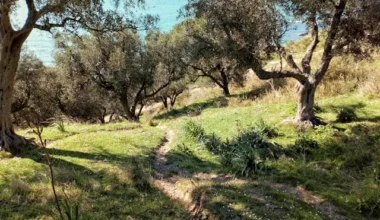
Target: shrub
x,y
248,153
140,178
245,155
184,149
60,125
346,115
265,129
359,160
194,130
304,146
213,144
153,123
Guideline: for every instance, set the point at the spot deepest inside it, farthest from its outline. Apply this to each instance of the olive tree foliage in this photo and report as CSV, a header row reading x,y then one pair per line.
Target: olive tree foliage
x,y
45,15
78,96
248,24
207,47
168,96
171,48
360,27
123,65
35,90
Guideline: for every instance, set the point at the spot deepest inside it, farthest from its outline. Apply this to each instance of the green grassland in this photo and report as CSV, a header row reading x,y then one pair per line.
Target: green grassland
x,y
344,169
104,172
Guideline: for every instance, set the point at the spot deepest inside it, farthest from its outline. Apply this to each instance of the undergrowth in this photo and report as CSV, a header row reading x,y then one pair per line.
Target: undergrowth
x,y
246,154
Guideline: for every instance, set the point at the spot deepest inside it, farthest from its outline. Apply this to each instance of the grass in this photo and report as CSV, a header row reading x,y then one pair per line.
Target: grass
x,y
106,172
343,170
255,201
52,132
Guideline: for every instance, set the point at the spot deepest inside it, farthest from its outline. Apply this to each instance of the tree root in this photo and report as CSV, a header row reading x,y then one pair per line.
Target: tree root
x,y
306,123
13,143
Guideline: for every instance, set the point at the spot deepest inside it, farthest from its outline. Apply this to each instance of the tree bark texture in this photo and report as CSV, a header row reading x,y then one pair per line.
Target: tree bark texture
x,y
10,55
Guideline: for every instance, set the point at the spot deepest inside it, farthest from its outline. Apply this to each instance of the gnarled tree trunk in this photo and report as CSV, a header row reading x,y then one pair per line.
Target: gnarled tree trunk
x,y
305,111
225,83
164,100
130,111
10,55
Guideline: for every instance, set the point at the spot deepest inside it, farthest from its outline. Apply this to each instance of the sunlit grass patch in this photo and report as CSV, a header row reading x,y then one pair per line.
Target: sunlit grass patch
x,y
54,133
96,170
343,169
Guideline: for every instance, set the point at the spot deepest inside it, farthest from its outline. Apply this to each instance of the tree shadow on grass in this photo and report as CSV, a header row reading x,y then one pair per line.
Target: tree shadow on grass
x,y
195,108
253,201
191,163
357,107
254,93
341,170
106,186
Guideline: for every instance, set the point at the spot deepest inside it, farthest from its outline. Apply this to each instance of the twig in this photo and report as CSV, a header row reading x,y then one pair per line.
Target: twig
x,y
43,144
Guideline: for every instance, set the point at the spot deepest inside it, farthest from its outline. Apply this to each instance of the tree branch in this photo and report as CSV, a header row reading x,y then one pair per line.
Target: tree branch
x,y
158,90
5,20
206,74
313,45
327,53
49,26
265,75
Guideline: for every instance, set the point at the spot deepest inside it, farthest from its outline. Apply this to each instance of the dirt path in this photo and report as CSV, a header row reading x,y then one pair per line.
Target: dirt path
x,y
169,184
170,179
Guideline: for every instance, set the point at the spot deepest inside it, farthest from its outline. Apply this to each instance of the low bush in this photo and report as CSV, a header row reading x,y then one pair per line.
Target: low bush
x,y
153,123
194,130
184,149
140,178
265,129
245,155
317,108
346,115
303,146
248,153
214,144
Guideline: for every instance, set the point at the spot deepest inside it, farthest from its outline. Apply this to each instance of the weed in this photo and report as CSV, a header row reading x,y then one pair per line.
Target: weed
x,y
194,130
265,129
60,125
213,143
346,115
184,149
304,146
248,153
66,207
153,123
317,108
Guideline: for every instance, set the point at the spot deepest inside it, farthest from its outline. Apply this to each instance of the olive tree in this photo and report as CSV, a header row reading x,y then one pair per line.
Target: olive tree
x,y
207,47
170,50
251,24
45,16
27,81
34,91
78,96
170,94
124,65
